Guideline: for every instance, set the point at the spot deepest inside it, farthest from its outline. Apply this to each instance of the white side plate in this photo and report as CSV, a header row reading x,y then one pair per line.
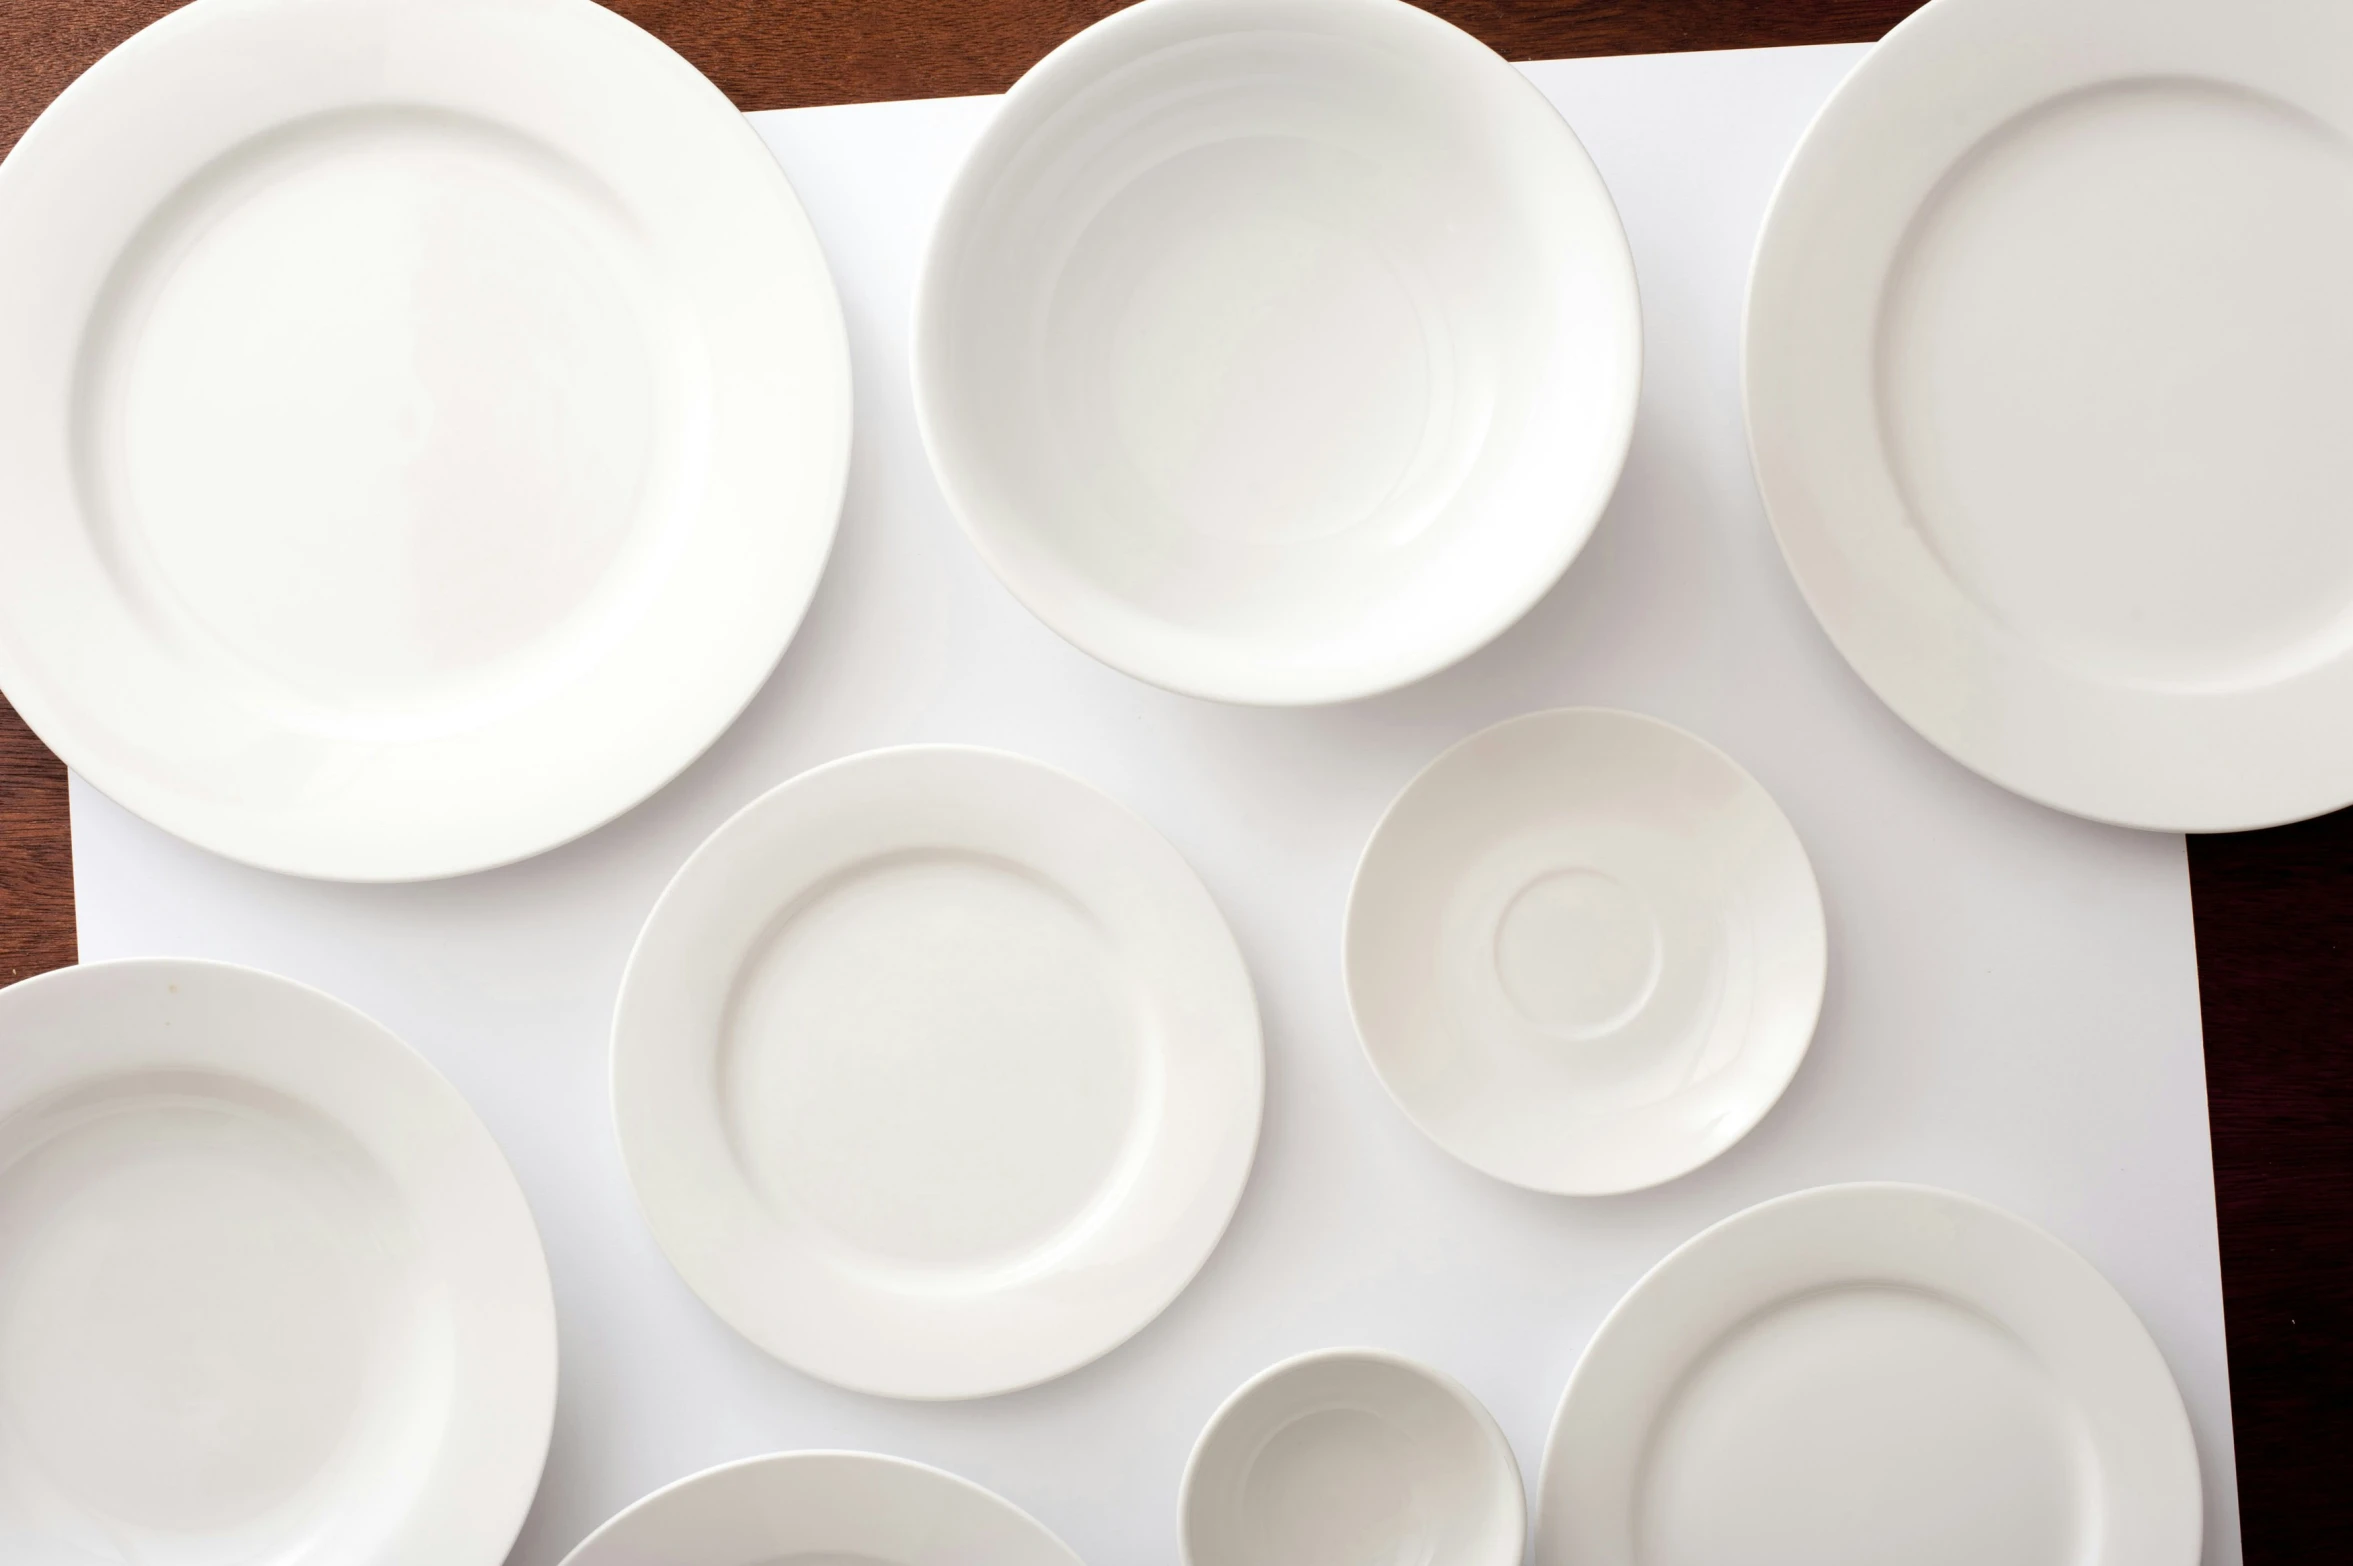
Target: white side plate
x,y
2046,386
1277,350
1585,951
937,1072
1861,1374
818,1509
1349,1457
422,424
268,1291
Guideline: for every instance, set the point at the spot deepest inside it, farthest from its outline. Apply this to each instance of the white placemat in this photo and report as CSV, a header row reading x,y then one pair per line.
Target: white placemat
x,y
2013,1006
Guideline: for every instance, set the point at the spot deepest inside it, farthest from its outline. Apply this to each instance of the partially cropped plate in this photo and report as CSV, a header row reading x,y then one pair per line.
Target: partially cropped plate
x,y
818,1509
937,1072
2046,384
1862,1374
422,424
1585,951
1277,350
268,1291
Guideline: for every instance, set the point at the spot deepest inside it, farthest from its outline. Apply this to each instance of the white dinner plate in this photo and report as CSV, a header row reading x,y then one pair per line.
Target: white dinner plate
x,y
1585,951
1352,1457
937,1072
1277,351
422,424
268,1291
1864,1374
2046,387
820,1509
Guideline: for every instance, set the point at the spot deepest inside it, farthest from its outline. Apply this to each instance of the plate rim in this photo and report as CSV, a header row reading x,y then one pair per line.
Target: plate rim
x,y
170,807
497,1522
2102,1296
711,849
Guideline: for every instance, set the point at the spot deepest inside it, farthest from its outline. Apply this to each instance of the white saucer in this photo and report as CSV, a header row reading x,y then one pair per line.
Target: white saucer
x,y
422,424
1863,1374
1277,351
1585,951
937,1072
1351,1456
268,1291
2046,348
819,1508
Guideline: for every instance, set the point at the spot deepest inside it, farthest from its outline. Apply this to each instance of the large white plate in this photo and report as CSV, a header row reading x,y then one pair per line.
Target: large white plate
x,y
1861,1374
1277,350
422,424
822,1507
1585,952
268,1291
937,1072
2047,336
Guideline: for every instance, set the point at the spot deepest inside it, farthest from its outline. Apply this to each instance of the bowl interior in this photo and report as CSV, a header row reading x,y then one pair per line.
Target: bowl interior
x,y
1344,1459
1280,350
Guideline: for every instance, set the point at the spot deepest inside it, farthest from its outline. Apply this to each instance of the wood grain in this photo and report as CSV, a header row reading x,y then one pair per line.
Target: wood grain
x,y
36,855
2274,909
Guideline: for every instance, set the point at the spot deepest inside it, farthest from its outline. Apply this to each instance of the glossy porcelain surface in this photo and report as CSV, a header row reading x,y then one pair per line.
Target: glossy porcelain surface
x,y
937,1072
822,1509
268,1291
1867,1373
2045,383
421,450
1585,951
1277,350
1349,1457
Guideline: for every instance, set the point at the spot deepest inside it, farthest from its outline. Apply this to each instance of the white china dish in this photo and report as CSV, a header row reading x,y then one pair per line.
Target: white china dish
x,y
268,1291
2045,386
1866,1373
816,1508
422,425
1346,1456
937,1072
1277,351
1585,951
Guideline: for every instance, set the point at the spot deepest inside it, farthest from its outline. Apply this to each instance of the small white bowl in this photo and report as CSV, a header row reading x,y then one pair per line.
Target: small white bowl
x,y
1585,951
1348,1457
1277,351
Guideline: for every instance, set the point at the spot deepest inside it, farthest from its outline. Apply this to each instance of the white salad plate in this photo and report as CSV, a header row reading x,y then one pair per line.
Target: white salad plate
x,y
268,1291
1861,1374
422,425
1585,951
937,1072
822,1509
1277,351
1349,1457
2046,347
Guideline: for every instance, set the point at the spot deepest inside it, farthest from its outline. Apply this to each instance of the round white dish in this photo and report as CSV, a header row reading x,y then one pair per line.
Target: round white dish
x,y
1277,351
937,1072
1867,1373
1585,952
1348,1456
268,1291
822,1507
2045,383
422,425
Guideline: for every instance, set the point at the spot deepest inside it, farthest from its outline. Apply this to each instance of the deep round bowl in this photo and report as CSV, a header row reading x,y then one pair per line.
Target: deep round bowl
x,y
1277,351
1345,1456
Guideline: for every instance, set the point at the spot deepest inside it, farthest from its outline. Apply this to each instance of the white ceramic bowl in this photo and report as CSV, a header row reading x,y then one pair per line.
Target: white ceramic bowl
x,y
1349,1456
1277,351
1585,951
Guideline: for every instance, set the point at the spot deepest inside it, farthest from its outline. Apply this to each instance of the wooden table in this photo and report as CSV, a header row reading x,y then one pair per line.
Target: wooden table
x,y
2274,909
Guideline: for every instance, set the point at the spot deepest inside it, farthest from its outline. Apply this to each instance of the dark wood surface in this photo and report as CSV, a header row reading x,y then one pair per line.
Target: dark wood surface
x,y
2274,909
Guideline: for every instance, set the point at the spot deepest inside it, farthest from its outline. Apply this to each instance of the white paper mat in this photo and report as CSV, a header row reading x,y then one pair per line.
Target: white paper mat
x,y
2013,1007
